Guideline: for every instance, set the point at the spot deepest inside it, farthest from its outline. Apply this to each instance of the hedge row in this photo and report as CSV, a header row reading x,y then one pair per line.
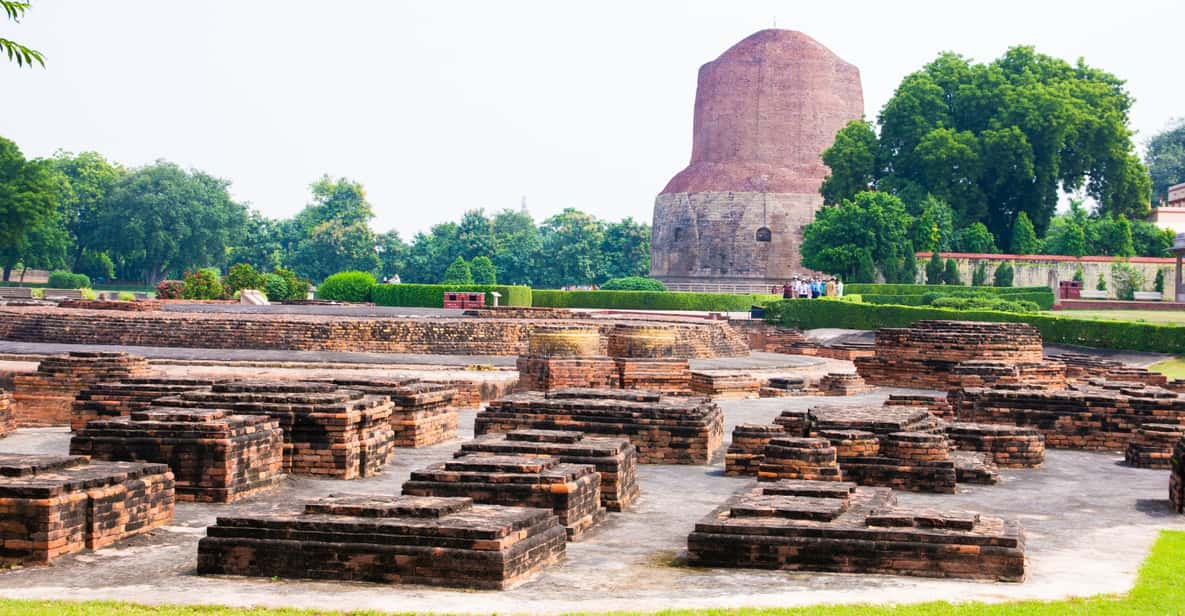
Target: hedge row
x,y
649,300
1044,298
432,295
1152,337
918,289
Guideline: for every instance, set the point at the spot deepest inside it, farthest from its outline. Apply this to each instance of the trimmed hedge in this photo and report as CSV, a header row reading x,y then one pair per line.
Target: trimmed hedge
x,y
912,294
59,279
432,295
812,314
633,283
1043,299
346,287
650,300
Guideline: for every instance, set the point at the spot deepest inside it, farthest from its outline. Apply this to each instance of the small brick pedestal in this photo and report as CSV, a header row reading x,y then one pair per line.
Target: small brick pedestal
x,y
798,458
559,357
665,429
55,505
1152,446
572,491
747,449
422,413
842,384
328,431
215,456
937,406
119,398
616,459
1007,446
389,540
839,527
44,398
725,385
645,359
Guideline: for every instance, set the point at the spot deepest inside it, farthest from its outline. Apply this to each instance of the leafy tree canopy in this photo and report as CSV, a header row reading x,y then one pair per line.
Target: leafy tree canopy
x,y
1165,158
858,235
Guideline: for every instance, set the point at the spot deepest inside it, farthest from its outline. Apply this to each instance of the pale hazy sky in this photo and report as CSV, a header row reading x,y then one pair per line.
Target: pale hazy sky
x,y
440,107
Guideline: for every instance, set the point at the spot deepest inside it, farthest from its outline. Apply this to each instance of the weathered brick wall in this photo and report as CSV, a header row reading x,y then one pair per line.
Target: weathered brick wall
x,y
447,336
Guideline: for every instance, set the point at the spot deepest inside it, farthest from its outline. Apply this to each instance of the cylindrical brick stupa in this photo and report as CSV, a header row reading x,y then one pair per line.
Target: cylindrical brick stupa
x,y
764,112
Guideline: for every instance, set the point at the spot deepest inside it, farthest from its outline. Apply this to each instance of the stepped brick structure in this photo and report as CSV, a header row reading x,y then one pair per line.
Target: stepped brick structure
x,y
665,429
119,398
1096,415
841,384
782,386
798,458
56,505
1152,445
878,420
214,456
560,357
389,540
725,384
328,431
45,397
422,413
839,527
747,449
1008,446
764,112
616,459
1083,367
7,418
325,332
572,491
645,356
947,355
938,406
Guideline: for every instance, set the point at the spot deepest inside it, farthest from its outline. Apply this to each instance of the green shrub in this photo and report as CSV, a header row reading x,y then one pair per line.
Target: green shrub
x,y
1079,275
1158,282
202,284
649,300
934,269
97,265
458,273
979,276
950,274
298,288
985,303
275,287
432,295
483,270
633,283
1137,336
59,279
347,287
242,276
1003,275
125,296
919,294
1127,280
169,289
1101,285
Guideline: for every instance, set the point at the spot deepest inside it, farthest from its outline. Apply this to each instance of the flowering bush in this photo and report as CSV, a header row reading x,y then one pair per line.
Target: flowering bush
x,y
202,284
169,289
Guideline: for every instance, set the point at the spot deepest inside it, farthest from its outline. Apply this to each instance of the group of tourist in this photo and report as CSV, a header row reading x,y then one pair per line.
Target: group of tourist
x,y
813,287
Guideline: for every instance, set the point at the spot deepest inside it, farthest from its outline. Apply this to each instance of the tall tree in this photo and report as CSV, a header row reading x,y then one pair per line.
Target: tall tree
x,y
16,52
89,180
262,245
161,219
29,195
516,247
626,249
857,236
997,139
1024,237
1165,158
571,253
475,233
334,246
392,254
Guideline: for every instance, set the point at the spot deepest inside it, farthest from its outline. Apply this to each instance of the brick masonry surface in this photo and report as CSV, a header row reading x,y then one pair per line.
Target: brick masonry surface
x,y
389,540
46,397
839,527
55,505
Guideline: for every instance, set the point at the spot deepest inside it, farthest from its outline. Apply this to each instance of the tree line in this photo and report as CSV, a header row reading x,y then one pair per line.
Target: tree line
x,y
84,213
970,157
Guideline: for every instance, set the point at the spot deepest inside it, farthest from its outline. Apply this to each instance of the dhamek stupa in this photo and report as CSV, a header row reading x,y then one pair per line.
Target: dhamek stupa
x,y
764,112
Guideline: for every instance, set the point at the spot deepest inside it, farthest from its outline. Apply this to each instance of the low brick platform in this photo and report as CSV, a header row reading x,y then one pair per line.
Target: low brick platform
x,y
119,398
45,398
572,491
665,429
782,386
215,456
328,431
841,384
1096,415
668,376
616,459
839,527
1006,446
7,418
422,413
539,373
55,505
798,458
1082,367
725,384
926,354
938,406
308,332
747,449
140,305
875,419
1152,445
913,461
389,540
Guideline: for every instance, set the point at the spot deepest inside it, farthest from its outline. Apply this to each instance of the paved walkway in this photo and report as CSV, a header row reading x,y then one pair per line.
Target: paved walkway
x,y
1089,523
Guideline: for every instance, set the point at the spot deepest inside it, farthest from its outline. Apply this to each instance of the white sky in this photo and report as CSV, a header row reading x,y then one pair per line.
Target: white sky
x,y
440,107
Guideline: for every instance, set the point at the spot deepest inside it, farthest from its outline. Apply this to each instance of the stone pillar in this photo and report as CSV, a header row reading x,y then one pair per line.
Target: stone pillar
x,y
1179,252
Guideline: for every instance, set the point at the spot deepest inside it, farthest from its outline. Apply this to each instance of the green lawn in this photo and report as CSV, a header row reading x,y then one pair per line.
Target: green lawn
x,y
1148,316
1160,589
1173,368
